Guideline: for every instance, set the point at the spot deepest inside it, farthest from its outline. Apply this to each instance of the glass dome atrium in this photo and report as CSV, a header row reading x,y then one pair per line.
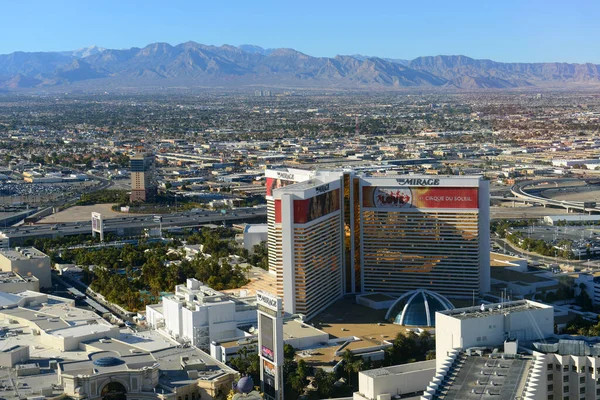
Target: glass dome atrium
x,y
417,308
108,362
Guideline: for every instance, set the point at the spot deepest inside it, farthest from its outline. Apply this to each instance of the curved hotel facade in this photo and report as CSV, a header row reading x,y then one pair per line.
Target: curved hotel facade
x,y
339,232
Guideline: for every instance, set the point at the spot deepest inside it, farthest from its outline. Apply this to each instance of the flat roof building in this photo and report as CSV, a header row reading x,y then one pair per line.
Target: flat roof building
x,y
491,325
383,383
509,351
199,315
296,333
27,261
54,320
116,368
11,282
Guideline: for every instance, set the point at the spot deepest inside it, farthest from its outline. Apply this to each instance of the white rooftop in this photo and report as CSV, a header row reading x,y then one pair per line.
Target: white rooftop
x,y
22,253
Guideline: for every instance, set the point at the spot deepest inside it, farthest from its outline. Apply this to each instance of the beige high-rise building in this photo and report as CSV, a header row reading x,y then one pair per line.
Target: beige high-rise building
x,y
142,177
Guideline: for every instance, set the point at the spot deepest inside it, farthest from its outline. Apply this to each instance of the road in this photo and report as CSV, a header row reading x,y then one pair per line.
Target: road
x,y
519,190
526,212
121,225
505,244
104,184
65,282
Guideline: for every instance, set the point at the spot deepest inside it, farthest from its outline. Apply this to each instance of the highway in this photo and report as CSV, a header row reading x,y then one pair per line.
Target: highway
x,y
518,190
133,225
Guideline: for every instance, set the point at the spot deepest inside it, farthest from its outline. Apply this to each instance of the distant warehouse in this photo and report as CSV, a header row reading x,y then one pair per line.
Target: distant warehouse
x,y
571,163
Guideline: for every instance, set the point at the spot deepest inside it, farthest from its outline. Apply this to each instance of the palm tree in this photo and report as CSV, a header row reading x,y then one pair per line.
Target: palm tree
x,y
349,361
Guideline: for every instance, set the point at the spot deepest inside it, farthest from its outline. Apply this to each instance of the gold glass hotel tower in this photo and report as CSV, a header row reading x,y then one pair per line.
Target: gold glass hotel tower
x,y
339,232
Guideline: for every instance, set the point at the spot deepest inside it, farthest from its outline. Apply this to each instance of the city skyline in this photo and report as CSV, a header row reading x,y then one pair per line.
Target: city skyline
x,y
509,31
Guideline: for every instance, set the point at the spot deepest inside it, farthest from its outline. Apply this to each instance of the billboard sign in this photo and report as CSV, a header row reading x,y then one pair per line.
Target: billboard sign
x,y
277,211
270,343
269,379
266,332
275,183
268,300
269,368
276,179
97,226
267,353
420,197
316,207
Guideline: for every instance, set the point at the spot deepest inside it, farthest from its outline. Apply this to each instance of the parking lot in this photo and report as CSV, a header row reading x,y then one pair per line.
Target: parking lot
x,y
558,233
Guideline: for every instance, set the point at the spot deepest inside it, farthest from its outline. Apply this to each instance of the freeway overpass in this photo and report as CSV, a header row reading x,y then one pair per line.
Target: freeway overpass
x,y
519,191
135,225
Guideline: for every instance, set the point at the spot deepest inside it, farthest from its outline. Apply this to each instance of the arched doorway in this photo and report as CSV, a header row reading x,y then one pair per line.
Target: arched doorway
x,y
114,391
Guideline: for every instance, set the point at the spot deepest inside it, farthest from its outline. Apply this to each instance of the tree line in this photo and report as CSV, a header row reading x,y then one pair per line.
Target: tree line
x,y
122,274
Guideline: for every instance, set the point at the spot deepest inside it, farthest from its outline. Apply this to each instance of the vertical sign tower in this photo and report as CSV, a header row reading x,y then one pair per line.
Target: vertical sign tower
x,y
270,345
97,225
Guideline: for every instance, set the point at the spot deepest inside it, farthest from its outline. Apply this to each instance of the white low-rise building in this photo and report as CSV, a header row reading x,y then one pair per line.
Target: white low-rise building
x,y
575,162
577,219
383,383
491,325
199,315
254,234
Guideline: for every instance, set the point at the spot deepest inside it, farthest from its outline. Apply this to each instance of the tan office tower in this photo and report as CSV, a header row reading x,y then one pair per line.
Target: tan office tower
x,y
142,179
384,235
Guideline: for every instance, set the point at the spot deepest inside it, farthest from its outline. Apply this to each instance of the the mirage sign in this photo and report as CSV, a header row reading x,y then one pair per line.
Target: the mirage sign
x,y
268,300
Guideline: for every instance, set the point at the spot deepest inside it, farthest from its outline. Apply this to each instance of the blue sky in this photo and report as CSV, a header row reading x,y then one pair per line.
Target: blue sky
x,y
502,30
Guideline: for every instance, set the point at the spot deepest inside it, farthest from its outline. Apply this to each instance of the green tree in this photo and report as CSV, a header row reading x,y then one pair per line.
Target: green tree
x,y
288,352
247,362
324,382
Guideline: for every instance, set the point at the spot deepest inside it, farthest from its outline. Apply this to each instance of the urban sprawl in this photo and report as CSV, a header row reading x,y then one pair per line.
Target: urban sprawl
x,y
300,245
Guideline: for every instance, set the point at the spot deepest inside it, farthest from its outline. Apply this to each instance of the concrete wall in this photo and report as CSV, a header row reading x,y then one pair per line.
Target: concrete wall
x,y
21,286
399,379
448,336
36,266
90,386
222,320
246,316
153,317
20,354
172,313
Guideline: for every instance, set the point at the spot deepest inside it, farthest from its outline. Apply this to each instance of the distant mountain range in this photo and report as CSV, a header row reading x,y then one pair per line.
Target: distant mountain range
x,y
193,65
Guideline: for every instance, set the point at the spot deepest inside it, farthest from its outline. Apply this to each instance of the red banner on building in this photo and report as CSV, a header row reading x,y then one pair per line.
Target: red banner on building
x,y
274,183
310,209
277,211
420,197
